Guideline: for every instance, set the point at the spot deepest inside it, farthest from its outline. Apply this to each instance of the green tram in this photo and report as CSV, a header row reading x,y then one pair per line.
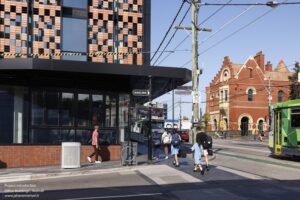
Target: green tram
x,y
284,137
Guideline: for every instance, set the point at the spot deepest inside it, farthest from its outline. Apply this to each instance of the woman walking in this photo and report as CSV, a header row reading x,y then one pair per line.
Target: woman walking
x,y
95,144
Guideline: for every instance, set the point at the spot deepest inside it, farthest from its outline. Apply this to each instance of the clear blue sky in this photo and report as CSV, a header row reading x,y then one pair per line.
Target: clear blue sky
x,y
277,34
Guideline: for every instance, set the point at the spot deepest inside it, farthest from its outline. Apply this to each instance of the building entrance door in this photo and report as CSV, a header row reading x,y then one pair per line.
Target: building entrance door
x,y
244,126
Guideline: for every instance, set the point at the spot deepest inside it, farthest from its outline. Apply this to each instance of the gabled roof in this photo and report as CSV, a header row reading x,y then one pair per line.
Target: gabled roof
x,y
281,67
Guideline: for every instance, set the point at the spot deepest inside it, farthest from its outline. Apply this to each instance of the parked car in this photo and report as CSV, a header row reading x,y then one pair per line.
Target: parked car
x,y
184,134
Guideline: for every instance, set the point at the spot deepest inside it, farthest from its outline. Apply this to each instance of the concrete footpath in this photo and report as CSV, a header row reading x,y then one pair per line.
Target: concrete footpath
x,y
156,170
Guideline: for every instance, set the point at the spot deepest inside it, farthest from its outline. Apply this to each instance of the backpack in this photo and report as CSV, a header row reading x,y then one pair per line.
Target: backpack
x,y
207,142
176,140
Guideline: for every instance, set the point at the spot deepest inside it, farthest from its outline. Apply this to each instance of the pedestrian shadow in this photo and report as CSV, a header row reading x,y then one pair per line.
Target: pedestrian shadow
x,y
104,153
3,164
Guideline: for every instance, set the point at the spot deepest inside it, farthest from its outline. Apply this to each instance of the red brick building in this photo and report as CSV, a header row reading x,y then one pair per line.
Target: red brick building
x,y
238,96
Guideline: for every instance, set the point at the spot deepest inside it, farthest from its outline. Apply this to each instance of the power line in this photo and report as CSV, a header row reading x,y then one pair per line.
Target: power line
x,y
270,3
205,20
177,14
226,24
232,34
172,37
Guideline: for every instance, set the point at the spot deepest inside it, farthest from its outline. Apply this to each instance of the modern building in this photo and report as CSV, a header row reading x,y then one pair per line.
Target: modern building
x,y
239,96
66,65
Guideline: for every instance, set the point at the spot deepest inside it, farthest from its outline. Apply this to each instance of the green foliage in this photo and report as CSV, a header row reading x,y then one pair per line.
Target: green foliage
x,y
206,119
295,85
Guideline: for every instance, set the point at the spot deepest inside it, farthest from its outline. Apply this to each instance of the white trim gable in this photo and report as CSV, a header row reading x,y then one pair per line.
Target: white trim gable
x,y
244,66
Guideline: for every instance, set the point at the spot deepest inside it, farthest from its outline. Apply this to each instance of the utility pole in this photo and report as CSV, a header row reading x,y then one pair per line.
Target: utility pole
x,y
150,122
195,69
180,117
270,102
195,76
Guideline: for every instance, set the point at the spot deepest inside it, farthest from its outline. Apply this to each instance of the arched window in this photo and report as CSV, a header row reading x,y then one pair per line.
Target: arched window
x,y
250,95
225,75
280,96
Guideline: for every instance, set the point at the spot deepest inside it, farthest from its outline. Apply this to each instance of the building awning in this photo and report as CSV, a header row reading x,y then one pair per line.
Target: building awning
x,y
81,74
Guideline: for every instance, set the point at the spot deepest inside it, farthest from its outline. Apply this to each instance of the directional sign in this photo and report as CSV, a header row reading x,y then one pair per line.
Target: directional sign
x,y
182,92
140,92
184,88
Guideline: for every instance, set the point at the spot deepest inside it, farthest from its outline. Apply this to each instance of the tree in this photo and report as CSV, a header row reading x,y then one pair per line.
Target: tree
x,y
206,119
295,85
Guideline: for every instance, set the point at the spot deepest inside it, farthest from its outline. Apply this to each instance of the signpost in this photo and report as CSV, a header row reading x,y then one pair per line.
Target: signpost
x,y
141,92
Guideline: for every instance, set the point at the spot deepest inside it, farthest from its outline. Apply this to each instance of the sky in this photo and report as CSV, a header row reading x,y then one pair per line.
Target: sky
x,y
277,34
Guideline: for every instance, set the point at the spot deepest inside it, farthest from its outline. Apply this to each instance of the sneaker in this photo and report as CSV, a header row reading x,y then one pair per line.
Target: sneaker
x,y
167,157
97,162
195,169
202,172
174,162
89,159
177,165
206,168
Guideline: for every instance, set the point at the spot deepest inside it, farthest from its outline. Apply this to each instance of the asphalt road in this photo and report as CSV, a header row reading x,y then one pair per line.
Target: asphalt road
x,y
239,170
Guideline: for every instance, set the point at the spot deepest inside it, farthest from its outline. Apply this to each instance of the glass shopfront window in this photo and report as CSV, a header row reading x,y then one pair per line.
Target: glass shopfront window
x,y
44,136
111,110
51,117
13,115
52,108
37,112
67,109
67,135
97,110
83,116
124,101
84,136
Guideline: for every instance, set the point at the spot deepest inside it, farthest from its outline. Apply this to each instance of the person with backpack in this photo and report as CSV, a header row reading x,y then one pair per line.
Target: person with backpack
x,y
175,146
197,149
206,142
166,141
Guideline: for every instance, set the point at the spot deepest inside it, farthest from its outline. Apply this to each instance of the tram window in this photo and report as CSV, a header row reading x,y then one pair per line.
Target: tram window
x,y
295,118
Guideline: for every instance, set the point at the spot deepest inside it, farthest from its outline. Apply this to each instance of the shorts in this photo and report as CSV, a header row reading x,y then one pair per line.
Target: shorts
x,y
205,152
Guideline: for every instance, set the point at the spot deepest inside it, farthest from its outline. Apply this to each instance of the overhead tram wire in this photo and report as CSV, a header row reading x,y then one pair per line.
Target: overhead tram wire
x,y
226,24
205,20
172,37
232,34
177,14
270,3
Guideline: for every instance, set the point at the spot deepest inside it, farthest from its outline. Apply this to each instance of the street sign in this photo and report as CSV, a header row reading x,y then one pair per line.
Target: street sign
x,y
140,92
182,92
184,88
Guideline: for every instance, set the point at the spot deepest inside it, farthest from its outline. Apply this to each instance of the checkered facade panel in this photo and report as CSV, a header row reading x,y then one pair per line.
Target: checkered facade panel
x,y
13,27
46,28
33,28
116,26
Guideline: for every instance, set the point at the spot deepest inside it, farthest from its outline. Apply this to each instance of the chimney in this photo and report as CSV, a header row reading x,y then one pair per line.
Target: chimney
x,y
260,59
226,61
268,67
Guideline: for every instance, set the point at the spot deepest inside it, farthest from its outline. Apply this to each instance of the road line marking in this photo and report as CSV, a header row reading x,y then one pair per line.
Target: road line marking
x,y
258,160
231,147
240,173
114,197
